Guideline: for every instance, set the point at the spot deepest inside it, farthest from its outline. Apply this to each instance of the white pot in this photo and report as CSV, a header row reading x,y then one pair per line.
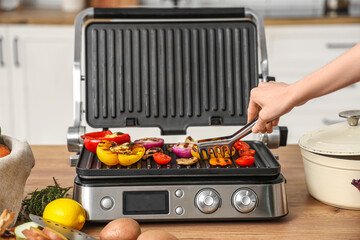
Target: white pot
x,y
331,157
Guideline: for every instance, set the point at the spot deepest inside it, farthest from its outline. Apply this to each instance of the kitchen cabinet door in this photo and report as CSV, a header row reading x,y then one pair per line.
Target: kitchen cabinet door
x,y
6,108
41,77
297,51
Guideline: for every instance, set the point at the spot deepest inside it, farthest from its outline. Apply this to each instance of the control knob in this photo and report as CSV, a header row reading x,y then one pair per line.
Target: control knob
x,y
207,200
244,200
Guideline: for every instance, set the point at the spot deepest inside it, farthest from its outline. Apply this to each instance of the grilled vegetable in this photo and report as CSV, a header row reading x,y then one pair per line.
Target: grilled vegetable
x,y
105,155
150,142
151,151
195,153
189,139
245,161
241,145
125,154
131,156
187,161
91,140
247,152
183,150
220,161
161,158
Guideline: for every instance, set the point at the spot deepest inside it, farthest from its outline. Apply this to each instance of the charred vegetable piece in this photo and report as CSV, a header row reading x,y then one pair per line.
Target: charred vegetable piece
x,y
170,147
189,139
125,154
183,150
245,161
91,140
220,161
241,145
150,152
247,152
150,142
161,158
105,155
195,153
187,161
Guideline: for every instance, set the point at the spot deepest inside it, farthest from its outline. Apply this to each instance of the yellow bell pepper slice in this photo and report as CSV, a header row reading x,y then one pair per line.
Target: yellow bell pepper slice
x,y
128,158
104,153
125,154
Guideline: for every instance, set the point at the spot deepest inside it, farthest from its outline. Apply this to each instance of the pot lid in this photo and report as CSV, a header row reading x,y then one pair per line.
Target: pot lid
x,y
341,139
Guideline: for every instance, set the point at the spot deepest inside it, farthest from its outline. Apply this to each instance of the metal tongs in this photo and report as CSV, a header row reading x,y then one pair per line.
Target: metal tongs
x,y
223,144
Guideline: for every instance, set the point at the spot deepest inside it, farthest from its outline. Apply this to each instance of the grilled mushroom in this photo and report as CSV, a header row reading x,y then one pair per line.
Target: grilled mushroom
x,y
150,152
170,147
187,161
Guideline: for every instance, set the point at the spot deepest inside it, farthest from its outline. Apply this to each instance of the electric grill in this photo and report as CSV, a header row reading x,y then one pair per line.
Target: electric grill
x,y
172,68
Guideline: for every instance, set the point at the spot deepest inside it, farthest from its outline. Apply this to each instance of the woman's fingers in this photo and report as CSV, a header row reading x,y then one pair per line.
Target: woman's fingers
x,y
253,110
275,122
260,126
269,127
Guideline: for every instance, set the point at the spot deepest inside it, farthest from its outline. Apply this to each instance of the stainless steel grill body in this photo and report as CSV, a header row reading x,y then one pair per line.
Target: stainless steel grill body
x,y
171,68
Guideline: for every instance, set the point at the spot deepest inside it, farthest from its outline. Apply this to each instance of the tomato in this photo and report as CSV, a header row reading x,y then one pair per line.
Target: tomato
x,y
161,158
241,145
245,161
220,161
247,152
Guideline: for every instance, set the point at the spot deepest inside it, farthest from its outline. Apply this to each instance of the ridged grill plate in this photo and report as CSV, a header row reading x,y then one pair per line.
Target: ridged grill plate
x,y
169,74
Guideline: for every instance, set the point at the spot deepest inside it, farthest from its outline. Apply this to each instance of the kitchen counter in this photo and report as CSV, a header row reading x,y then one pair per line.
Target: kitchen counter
x,y
307,218
58,17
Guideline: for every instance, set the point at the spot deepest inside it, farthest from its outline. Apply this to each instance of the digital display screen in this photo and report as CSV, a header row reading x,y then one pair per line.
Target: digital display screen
x,y
149,202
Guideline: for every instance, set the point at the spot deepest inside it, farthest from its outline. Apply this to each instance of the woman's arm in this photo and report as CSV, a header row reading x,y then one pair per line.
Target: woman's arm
x,y
271,100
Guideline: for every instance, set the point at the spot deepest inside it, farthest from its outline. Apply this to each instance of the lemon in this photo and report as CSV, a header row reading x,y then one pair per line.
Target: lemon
x,y
66,212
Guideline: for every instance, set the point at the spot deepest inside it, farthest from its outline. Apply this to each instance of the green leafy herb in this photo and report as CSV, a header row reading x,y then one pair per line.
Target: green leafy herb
x,y
38,200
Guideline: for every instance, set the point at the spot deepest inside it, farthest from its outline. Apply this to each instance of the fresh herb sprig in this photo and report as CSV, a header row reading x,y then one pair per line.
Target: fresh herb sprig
x,y
38,200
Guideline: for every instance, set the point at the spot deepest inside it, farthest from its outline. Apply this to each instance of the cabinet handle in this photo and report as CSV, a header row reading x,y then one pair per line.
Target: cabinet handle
x,y
340,45
16,52
2,64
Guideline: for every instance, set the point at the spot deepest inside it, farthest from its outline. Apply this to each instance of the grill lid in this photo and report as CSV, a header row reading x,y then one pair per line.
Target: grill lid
x,y
169,74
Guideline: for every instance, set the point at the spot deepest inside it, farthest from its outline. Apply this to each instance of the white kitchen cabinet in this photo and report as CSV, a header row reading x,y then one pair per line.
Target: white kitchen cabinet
x,y
40,79
295,52
6,109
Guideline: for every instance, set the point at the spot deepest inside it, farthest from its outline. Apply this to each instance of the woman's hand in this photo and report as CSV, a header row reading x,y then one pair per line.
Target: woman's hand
x,y
269,101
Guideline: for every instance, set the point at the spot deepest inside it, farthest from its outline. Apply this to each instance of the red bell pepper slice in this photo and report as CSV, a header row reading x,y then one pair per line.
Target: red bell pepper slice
x,y
91,140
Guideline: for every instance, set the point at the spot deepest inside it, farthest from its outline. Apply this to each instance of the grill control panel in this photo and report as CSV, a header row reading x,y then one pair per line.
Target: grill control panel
x,y
183,202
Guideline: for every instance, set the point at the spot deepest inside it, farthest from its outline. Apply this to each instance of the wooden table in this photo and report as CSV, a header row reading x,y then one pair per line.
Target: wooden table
x,y
308,218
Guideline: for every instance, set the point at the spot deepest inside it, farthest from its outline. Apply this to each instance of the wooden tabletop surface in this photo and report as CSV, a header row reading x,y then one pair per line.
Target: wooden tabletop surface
x,y
25,15
307,218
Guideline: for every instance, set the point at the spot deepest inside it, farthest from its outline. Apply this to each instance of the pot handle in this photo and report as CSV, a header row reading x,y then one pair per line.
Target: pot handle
x,y
352,116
